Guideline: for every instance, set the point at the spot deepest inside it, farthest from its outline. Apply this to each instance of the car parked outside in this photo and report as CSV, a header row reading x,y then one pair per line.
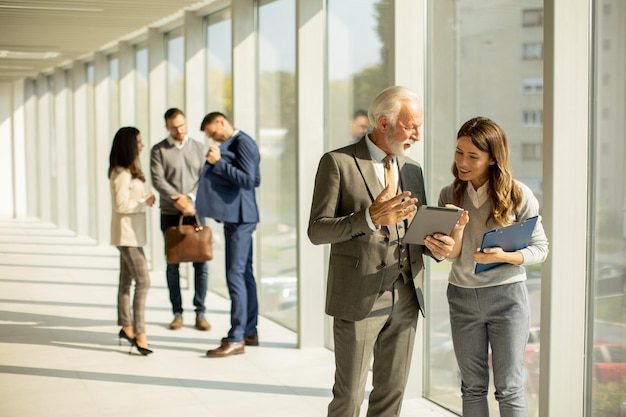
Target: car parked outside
x,y
609,362
610,280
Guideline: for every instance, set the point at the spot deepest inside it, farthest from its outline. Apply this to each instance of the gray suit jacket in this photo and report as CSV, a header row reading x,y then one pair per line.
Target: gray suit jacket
x,y
360,259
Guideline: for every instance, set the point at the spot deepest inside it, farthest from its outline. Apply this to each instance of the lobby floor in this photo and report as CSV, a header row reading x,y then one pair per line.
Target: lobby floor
x,y
59,352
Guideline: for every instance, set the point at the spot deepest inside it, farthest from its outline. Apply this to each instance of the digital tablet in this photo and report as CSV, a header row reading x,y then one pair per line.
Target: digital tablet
x,y
430,220
509,238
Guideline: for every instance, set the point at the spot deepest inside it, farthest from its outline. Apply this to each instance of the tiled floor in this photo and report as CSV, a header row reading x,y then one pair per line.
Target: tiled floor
x,y
59,353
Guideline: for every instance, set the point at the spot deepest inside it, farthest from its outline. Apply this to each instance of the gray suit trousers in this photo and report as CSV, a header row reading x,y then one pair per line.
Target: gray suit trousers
x,y
387,334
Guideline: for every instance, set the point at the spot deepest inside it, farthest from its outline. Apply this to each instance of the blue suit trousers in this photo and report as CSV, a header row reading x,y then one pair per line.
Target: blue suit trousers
x,y
244,309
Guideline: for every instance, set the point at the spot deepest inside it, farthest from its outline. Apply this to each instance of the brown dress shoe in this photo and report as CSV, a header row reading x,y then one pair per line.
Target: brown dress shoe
x,y
177,323
227,349
251,340
202,323
248,340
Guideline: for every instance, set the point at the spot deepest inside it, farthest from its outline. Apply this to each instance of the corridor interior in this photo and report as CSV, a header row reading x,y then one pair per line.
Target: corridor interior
x,y
59,352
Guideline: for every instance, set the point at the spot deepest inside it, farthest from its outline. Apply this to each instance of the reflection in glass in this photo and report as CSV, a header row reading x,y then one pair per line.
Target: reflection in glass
x,y
219,62
175,43
276,137
358,64
478,60
607,348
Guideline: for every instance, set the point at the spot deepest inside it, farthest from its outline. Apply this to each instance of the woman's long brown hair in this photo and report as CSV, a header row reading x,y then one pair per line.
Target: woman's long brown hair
x,y
504,194
124,152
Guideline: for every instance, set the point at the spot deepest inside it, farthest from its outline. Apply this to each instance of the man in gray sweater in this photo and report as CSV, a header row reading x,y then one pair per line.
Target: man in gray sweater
x,y
175,164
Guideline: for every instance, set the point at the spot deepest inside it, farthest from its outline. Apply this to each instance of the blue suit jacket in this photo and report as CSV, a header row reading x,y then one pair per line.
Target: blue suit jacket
x,y
226,189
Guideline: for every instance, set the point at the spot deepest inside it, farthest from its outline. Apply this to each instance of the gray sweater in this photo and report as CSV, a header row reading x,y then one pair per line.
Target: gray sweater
x,y
176,171
462,273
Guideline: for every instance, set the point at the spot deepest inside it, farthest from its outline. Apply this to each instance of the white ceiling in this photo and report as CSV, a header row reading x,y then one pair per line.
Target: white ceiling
x,y
37,35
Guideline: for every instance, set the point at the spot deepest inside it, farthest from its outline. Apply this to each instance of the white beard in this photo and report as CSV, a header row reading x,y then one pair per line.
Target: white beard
x,y
397,148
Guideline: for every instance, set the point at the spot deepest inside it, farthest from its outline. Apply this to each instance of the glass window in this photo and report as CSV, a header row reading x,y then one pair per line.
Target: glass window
x,y
358,65
219,62
175,50
607,273
532,118
532,50
532,85
532,151
276,136
532,17
473,67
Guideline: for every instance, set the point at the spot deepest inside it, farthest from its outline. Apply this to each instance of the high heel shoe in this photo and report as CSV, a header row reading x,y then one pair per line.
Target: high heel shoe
x,y
144,351
122,335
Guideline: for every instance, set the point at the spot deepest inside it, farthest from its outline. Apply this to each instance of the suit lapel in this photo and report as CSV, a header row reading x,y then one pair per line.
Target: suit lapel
x,y
365,165
406,182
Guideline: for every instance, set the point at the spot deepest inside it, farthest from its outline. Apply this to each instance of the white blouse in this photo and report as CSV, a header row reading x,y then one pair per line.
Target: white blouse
x,y
128,220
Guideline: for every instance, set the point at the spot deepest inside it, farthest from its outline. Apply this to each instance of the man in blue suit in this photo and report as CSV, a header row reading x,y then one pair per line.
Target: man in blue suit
x,y
226,194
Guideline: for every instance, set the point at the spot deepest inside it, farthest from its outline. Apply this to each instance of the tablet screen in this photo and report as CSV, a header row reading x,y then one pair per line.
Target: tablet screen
x,y
430,220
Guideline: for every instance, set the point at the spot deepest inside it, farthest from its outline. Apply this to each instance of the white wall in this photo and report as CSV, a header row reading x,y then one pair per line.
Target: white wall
x,y
7,189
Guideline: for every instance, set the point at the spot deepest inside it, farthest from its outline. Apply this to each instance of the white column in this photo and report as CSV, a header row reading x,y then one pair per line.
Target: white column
x,y
158,101
81,140
312,268
43,153
31,148
563,282
7,183
195,78
62,138
104,137
244,65
245,80
127,90
20,198
408,52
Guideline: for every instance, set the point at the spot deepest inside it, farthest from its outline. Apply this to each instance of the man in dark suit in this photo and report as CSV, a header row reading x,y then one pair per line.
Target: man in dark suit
x,y
364,193
226,194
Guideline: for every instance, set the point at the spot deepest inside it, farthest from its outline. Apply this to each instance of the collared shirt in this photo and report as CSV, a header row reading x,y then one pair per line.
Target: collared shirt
x,y
377,155
480,196
172,142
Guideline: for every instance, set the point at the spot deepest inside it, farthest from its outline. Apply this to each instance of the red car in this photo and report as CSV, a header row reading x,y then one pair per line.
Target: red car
x,y
609,362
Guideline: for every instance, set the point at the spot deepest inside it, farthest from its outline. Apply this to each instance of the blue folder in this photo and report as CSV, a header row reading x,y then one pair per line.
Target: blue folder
x,y
509,238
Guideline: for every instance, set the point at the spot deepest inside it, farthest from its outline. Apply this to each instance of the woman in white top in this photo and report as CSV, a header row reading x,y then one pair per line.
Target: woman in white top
x,y
128,233
490,308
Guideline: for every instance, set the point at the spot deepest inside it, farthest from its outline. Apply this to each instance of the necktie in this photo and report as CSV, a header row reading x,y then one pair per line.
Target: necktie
x,y
390,175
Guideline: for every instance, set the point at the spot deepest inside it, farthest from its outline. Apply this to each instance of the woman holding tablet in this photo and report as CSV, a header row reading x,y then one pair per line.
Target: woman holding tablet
x,y
490,308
